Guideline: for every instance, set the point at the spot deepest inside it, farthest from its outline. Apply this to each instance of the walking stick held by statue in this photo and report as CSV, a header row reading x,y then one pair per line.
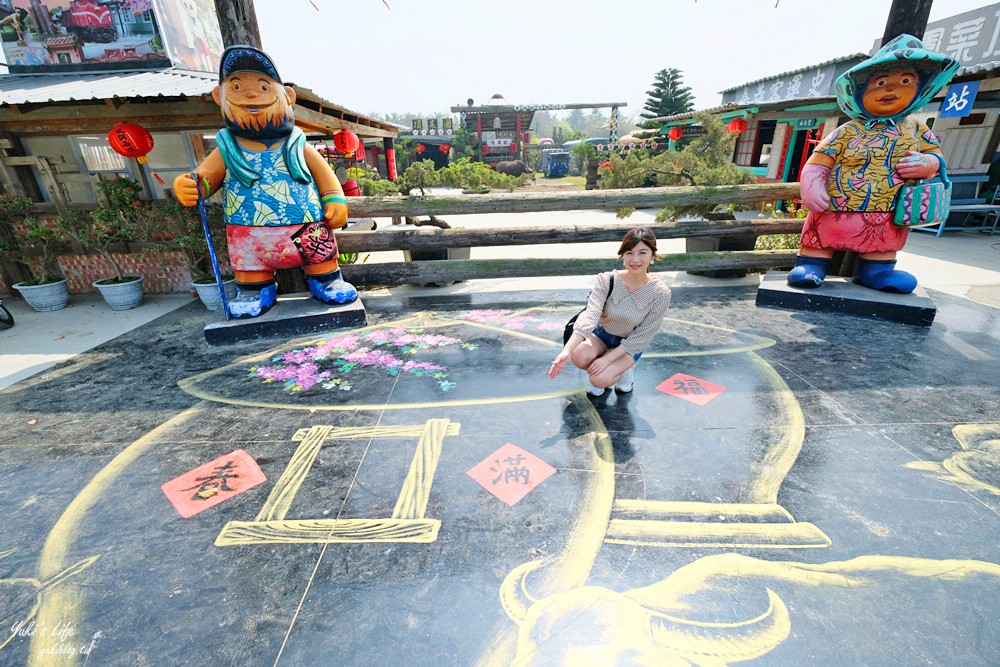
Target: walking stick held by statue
x,y
211,245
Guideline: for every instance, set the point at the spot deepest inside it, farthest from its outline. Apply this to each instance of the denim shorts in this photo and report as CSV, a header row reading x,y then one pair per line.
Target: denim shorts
x,y
611,340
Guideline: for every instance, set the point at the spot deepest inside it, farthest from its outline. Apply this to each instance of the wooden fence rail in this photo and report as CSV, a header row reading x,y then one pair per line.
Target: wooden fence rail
x,y
399,273
431,238
604,200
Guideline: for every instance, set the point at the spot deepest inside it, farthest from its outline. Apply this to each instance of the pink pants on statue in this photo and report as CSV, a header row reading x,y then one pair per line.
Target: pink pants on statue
x,y
865,231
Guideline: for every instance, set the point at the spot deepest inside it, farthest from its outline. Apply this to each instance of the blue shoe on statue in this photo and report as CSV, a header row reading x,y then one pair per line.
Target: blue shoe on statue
x,y
809,272
331,288
253,300
882,275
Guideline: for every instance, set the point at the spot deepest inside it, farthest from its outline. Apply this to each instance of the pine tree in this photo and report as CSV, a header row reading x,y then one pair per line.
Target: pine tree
x,y
576,120
669,96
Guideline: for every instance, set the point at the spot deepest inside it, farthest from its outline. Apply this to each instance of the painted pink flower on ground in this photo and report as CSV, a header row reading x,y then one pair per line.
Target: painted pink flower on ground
x,y
326,361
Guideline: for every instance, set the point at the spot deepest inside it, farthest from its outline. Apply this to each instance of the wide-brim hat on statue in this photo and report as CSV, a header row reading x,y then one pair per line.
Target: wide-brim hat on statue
x,y
245,58
934,70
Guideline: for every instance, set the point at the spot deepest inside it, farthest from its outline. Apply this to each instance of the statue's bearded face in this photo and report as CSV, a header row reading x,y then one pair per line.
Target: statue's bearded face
x,y
255,106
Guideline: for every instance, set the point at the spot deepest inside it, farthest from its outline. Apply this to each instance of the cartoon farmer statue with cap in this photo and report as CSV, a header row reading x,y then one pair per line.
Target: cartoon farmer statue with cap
x,y
282,200
851,181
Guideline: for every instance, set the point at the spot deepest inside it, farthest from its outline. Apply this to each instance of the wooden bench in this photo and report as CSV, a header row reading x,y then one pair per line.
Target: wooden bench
x,y
965,209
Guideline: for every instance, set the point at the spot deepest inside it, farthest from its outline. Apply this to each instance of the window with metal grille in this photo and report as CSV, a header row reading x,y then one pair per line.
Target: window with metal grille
x,y
99,156
745,145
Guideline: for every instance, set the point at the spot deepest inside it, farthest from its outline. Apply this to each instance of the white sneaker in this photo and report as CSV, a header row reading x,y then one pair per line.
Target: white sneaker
x,y
625,382
594,391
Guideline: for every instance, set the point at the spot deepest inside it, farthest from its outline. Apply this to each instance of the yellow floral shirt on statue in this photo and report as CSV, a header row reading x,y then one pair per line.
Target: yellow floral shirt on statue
x,y
864,176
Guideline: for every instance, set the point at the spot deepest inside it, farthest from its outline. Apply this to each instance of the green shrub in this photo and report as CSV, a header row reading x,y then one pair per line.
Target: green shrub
x,y
379,188
419,176
125,218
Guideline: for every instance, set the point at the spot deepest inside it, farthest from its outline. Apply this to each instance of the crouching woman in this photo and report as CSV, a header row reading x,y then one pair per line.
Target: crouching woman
x,y
623,315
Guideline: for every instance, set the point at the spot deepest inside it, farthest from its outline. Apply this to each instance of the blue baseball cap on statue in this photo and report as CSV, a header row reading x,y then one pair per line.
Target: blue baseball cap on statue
x,y
244,58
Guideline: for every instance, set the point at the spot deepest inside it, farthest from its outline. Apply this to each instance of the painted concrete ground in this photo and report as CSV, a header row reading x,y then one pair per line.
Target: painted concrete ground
x,y
813,490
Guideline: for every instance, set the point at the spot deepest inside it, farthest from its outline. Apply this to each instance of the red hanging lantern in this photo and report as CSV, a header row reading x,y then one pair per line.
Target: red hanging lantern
x,y
346,141
131,140
420,149
134,141
737,126
675,133
513,147
486,149
445,148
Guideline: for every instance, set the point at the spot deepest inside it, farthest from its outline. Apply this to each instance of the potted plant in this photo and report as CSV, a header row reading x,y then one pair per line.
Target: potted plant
x,y
182,232
125,218
47,289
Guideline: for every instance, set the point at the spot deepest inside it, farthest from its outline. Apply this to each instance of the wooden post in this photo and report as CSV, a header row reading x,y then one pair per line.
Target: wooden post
x,y
238,22
479,134
591,174
390,158
907,17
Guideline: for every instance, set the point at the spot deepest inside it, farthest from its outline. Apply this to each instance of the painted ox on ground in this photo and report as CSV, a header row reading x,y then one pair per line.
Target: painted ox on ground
x,y
592,625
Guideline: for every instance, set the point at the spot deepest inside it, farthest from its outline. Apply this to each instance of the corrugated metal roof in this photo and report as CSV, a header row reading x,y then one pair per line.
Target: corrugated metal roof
x,y
81,86
22,89
835,61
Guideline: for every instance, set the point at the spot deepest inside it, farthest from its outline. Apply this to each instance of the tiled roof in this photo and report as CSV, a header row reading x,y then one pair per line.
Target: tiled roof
x,y
854,56
981,67
788,105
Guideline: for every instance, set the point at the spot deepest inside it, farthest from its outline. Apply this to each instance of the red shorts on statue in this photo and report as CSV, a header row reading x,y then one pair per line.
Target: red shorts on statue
x,y
264,248
867,231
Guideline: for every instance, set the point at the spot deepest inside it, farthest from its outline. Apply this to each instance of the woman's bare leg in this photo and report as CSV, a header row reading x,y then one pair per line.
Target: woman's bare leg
x,y
612,373
587,351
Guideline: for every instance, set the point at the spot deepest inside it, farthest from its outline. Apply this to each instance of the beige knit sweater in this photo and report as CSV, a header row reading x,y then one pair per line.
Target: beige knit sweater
x,y
634,317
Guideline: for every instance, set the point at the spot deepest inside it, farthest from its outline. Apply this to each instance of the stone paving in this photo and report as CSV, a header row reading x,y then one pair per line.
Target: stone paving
x,y
781,488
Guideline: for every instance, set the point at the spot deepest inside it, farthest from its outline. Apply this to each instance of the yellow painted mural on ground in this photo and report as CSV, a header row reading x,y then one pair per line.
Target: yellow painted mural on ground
x,y
407,523
21,598
542,600
977,466
592,625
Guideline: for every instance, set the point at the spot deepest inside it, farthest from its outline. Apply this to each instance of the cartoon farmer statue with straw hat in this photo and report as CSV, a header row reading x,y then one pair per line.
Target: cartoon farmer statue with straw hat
x,y
282,200
851,182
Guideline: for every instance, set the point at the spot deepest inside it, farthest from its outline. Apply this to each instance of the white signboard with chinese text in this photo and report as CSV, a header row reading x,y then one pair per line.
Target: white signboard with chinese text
x,y
971,38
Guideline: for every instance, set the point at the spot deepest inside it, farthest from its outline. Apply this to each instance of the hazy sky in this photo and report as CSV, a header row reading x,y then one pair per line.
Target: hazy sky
x,y
428,55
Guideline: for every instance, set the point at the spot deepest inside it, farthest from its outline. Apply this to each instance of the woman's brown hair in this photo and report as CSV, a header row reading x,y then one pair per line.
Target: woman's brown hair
x,y
636,236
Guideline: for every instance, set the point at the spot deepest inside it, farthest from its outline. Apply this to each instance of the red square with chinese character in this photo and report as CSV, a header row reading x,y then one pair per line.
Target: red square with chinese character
x,y
690,388
209,484
510,473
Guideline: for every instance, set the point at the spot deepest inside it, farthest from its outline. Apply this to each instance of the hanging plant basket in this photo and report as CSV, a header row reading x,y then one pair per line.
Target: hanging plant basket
x,y
121,296
49,296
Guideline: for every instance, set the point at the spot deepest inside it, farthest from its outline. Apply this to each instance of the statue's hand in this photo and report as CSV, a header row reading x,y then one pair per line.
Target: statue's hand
x,y
186,190
335,215
917,166
813,187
